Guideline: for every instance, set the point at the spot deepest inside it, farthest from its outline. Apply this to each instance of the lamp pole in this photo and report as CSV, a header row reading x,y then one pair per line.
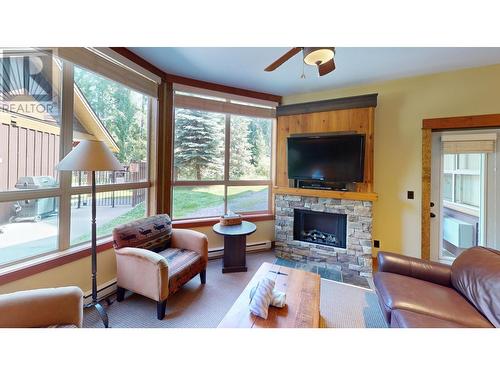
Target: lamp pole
x,y
95,303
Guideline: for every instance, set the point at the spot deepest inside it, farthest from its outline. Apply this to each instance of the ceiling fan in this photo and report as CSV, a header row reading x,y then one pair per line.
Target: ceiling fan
x,y
322,57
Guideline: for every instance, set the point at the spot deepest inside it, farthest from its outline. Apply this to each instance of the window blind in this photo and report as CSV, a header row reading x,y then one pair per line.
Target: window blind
x,y
213,101
468,143
100,62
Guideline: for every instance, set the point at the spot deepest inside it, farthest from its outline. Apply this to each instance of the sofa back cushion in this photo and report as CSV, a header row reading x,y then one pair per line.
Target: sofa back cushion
x,y
152,233
476,275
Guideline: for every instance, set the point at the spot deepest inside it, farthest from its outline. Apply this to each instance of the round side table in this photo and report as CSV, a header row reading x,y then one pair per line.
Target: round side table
x,y
235,243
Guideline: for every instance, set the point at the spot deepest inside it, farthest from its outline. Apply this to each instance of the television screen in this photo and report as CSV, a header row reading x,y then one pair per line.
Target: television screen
x,y
334,158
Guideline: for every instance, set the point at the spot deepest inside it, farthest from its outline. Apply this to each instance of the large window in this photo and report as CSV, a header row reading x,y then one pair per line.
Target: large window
x,y
42,210
222,156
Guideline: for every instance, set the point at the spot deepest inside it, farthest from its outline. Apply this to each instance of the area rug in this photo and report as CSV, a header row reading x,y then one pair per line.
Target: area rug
x,y
348,306
204,306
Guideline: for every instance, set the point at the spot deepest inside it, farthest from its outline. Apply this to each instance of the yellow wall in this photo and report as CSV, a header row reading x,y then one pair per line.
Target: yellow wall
x,y
78,272
402,105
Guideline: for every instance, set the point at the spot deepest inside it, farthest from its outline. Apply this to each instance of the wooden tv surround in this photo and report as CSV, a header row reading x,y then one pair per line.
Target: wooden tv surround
x,y
352,114
353,256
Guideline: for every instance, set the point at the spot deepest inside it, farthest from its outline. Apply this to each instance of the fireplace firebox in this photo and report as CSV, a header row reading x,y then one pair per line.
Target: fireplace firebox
x,y
322,228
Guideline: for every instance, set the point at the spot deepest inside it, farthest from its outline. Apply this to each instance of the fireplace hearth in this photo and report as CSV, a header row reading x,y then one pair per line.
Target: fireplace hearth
x,y
322,228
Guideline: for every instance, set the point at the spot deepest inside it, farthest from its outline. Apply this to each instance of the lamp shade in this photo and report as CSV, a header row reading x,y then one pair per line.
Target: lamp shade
x,y
90,156
318,55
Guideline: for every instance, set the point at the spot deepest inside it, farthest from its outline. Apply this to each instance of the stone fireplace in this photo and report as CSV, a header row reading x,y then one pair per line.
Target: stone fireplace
x,y
336,233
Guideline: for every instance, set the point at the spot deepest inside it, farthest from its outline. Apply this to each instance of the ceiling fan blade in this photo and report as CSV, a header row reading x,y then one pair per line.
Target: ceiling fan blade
x,y
283,58
326,68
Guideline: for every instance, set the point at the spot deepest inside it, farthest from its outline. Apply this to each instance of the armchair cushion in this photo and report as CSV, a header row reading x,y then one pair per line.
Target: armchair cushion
x,y
183,264
151,233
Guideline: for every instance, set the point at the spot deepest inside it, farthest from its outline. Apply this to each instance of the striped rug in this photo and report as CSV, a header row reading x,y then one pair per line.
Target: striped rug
x,y
204,306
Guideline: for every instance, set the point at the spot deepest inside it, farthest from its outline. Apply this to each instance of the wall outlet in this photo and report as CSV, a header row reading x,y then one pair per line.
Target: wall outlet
x,y
411,194
376,243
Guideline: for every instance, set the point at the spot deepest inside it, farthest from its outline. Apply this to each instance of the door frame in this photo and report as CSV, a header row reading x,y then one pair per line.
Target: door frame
x,y
436,125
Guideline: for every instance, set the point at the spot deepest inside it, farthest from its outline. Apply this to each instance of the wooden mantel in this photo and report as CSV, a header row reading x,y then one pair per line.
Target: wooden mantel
x,y
351,195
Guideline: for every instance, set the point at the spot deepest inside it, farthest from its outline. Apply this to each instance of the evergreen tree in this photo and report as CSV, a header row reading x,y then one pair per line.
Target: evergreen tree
x,y
198,145
259,139
241,154
262,155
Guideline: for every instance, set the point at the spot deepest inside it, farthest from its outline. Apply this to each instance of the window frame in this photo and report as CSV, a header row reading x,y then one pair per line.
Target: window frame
x,y
65,190
226,181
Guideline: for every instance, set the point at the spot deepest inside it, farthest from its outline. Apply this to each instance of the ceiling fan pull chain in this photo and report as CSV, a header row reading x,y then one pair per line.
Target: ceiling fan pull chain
x,y
303,76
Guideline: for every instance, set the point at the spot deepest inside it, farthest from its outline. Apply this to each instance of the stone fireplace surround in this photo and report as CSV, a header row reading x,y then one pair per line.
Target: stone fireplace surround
x,y
355,261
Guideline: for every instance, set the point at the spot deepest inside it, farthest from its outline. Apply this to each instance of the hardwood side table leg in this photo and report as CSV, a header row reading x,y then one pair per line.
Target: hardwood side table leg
x,y
235,254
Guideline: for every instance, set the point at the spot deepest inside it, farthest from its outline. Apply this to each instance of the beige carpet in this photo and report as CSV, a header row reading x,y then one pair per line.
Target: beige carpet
x,y
204,306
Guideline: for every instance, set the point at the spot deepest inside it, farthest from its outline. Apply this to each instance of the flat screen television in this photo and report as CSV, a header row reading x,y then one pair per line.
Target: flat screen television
x,y
329,158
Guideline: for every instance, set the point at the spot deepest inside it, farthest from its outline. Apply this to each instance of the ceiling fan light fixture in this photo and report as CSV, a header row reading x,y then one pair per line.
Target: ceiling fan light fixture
x,y
318,55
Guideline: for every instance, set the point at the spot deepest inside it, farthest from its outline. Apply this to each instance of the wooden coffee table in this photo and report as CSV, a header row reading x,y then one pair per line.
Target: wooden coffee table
x,y
302,301
235,245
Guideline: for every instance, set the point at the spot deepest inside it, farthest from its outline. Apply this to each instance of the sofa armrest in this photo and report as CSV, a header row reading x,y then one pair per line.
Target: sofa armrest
x,y
142,271
42,308
433,272
190,240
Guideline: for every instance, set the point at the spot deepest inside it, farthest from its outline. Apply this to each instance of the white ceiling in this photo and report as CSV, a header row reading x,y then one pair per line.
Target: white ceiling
x,y
244,67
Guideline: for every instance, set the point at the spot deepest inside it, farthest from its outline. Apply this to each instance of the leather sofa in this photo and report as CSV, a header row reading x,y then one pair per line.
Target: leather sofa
x,y
42,308
155,260
415,293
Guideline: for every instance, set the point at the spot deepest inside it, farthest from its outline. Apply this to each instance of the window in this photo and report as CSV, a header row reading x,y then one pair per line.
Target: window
x,y
222,155
462,179
41,210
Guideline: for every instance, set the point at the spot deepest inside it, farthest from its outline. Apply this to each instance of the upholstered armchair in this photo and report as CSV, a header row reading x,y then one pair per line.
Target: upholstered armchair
x,y
40,308
155,260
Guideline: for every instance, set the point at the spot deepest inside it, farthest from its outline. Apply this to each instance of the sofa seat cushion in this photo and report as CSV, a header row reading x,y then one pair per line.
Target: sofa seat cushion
x,y
407,293
410,319
183,265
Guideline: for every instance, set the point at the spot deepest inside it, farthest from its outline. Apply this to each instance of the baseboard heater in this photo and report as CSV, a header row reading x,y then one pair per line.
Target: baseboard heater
x,y
218,252
109,288
104,290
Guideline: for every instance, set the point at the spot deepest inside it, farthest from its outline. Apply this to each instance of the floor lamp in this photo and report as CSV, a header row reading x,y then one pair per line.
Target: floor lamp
x,y
92,156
